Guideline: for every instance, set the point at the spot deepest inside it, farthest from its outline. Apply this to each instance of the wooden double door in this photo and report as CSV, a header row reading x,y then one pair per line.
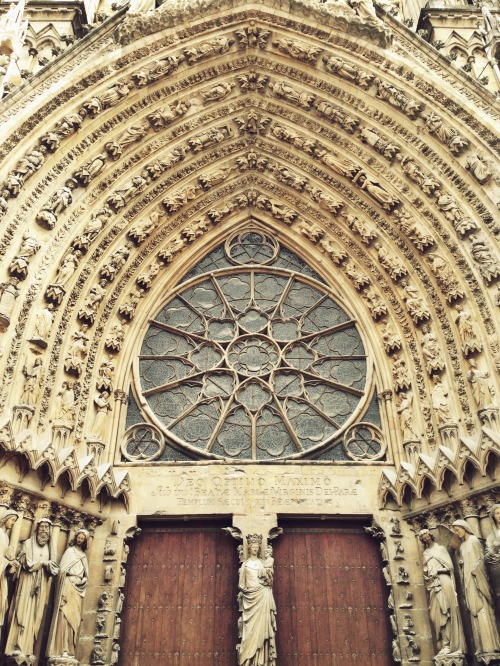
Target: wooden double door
x,y
180,597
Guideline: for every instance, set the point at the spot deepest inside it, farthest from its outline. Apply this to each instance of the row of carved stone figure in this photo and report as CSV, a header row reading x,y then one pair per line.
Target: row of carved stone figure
x,y
480,596
21,615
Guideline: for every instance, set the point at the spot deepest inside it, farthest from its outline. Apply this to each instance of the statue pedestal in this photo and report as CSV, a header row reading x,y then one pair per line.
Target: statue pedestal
x,y
18,659
488,658
455,659
65,660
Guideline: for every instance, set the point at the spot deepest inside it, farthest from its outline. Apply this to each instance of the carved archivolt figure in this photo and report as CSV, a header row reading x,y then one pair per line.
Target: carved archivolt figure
x,y
77,351
400,374
452,212
439,397
431,351
257,624
443,602
302,98
391,264
32,383
101,402
483,389
217,92
70,590
8,564
65,403
107,99
390,338
68,267
406,417
386,200
30,597
43,323
347,70
57,203
479,168
492,554
488,264
447,135
341,166
90,169
414,304
93,227
469,331
477,592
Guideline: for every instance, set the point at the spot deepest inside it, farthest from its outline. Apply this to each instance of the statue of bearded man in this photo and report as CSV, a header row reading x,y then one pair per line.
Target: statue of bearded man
x,y
30,596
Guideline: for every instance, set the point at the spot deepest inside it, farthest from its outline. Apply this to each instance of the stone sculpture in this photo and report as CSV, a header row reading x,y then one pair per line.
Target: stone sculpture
x,y
77,351
33,380
492,552
443,602
483,390
414,304
454,214
469,331
9,291
65,403
30,597
257,625
431,350
19,265
478,596
102,405
57,203
68,599
405,413
448,135
487,263
439,397
8,563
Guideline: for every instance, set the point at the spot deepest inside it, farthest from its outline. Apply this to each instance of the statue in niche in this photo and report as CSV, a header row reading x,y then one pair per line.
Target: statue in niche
x,y
431,350
386,200
107,98
30,598
483,389
487,263
469,331
8,563
390,338
478,595
29,247
156,70
446,134
101,402
439,396
65,403
443,602
68,267
400,374
132,134
492,552
43,323
452,212
33,381
257,624
217,92
91,302
71,586
77,351
57,203
93,227
90,169
405,413
414,304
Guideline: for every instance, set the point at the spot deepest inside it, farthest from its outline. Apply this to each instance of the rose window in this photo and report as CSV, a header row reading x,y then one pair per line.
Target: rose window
x,y
252,358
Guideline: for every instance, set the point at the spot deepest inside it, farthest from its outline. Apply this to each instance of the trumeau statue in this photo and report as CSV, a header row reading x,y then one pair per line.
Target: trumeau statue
x,y
478,596
68,599
30,599
443,602
257,624
8,563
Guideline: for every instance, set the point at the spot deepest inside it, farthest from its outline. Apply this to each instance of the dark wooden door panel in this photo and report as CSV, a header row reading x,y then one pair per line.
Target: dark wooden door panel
x,y
180,599
331,599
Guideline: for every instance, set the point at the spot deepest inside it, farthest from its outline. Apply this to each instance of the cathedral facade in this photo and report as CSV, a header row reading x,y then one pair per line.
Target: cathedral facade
x,y
250,352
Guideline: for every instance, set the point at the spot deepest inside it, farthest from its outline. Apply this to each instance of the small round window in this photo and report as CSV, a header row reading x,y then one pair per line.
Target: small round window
x,y
251,358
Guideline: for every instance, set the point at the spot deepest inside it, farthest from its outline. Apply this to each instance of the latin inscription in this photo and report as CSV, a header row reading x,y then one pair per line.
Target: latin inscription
x,y
280,490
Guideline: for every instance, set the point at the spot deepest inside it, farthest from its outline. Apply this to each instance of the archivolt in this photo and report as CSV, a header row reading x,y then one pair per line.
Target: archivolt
x,y
333,142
